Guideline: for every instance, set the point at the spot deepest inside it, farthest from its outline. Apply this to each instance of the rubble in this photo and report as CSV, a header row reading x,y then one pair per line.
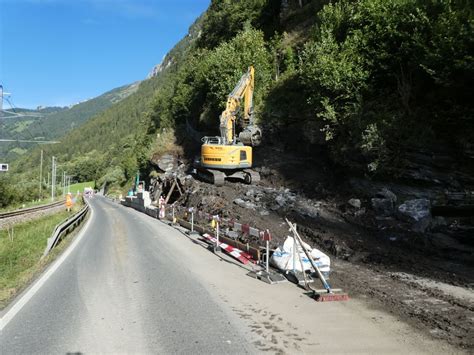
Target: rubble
x,y
382,206
387,194
168,163
245,204
355,202
384,202
416,211
373,229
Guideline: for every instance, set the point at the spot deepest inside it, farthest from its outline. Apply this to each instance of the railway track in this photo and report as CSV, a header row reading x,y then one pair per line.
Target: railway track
x,y
25,211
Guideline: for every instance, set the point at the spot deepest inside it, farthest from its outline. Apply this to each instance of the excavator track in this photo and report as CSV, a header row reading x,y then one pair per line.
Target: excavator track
x,y
212,176
218,177
254,176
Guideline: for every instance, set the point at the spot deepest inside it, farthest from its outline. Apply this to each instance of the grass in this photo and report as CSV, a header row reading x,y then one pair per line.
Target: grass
x,y
19,151
81,186
115,192
20,256
59,197
45,201
165,143
22,125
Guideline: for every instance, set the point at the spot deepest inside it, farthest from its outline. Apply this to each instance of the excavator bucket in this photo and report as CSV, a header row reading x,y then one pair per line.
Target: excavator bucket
x,y
251,135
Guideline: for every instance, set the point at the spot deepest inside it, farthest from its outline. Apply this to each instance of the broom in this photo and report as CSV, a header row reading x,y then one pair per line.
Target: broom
x,y
327,294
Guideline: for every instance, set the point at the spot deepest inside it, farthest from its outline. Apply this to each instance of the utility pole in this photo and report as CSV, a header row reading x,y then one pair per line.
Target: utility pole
x,y
64,183
41,174
53,178
1,100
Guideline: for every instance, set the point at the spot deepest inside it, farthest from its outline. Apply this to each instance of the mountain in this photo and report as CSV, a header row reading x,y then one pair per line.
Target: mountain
x,y
50,123
347,80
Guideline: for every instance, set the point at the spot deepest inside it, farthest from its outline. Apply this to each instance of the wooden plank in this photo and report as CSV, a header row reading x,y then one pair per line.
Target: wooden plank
x,y
170,192
179,189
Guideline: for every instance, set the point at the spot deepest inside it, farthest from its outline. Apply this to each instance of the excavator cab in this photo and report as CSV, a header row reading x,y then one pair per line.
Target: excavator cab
x,y
216,155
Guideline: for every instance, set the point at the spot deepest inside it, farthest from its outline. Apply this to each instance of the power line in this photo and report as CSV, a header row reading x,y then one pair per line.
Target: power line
x,y
27,130
38,121
29,141
18,141
26,127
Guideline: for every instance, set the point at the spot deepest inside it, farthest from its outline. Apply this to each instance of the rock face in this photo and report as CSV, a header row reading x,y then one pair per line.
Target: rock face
x,y
354,202
171,166
416,211
387,195
157,69
384,202
382,206
167,163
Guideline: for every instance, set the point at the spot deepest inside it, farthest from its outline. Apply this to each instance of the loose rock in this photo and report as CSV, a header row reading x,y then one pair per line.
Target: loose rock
x,y
382,206
416,210
354,202
387,194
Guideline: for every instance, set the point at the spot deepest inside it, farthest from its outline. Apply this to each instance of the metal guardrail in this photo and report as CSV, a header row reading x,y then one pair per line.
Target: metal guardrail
x,y
65,227
30,210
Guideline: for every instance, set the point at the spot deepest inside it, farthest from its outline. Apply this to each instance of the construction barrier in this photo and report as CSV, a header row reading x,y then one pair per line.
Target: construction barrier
x,y
187,218
182,216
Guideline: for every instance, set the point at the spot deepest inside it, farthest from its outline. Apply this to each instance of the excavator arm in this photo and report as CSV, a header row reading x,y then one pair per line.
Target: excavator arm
x,y
251,135
230,156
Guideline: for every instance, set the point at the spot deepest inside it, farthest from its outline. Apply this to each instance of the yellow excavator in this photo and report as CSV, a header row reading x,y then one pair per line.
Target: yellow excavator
x,y
229,156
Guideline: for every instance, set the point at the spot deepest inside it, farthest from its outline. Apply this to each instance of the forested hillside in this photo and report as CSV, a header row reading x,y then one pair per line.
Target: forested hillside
x,y
51,123
368,79
365,81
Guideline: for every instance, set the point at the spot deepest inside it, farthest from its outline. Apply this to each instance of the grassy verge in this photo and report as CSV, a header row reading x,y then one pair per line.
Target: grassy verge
x,y
81,186
20,255
45,201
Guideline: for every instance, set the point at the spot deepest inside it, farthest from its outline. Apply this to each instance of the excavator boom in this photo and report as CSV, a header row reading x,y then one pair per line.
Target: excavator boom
x,y
229,156
251,135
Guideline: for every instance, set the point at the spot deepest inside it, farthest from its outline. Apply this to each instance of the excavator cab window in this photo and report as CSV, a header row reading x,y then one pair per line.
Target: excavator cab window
x,y
243,155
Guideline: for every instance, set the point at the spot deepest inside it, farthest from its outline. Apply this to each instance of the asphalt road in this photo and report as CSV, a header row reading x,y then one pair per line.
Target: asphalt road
x,y
131,284
123,289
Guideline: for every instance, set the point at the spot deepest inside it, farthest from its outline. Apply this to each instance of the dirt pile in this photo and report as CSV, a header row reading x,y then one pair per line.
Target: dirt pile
x,y
382,249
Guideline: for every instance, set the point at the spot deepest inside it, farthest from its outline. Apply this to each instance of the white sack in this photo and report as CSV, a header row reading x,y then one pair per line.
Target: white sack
x,y
282,258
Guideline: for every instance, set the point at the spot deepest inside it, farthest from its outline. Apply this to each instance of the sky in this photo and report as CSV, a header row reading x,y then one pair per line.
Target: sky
x,y
60,52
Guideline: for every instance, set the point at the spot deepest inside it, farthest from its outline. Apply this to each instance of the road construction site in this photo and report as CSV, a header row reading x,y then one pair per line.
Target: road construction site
x,y
131,283
397,270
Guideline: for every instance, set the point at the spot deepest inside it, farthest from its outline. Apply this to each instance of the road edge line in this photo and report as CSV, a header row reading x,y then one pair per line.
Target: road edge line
x,y
12,312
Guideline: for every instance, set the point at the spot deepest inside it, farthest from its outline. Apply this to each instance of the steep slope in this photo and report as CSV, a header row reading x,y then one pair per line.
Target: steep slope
x,y
112,145
358,103
349,76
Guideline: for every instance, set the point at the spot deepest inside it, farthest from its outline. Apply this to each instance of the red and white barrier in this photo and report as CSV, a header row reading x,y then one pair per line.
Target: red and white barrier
x,y
238,254
239,227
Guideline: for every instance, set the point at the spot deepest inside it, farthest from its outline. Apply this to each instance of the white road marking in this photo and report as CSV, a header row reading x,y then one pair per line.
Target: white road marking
x,y
31,292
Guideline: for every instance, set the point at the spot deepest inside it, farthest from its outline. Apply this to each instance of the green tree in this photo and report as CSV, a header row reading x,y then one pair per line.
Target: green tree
x,y
394,72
